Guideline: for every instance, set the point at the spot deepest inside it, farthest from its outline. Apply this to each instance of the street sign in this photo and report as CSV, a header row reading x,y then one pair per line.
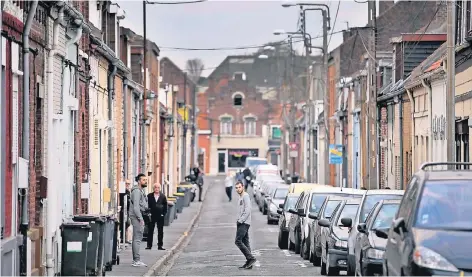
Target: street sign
x,y
335,154
293,146
293,154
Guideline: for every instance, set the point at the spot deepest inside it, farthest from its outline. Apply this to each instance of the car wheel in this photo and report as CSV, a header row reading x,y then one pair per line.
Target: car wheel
x,y
297,243
283,240
323,267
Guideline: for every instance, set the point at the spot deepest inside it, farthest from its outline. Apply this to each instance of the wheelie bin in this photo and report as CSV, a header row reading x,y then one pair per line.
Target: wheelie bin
x,y
180,201
108,245
114,252
95,243
185,187
172,213
74,248
169,217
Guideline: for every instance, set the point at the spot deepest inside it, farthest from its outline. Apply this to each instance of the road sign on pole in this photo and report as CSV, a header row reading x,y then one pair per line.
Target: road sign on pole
x,y
335,154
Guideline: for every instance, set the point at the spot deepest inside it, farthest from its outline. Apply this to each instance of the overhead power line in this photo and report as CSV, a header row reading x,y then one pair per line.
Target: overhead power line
x,y
334,24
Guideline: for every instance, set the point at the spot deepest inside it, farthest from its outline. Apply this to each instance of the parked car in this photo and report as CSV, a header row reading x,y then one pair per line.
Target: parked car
x,y
432,230
259,179
284,219
370,247
299,218
334,237
273,202
326,211
370,198
262,189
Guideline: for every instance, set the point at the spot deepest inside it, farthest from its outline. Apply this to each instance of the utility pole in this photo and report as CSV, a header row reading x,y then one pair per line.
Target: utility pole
x,y
144,138
372,137
326,95
184,137
451,73
193,142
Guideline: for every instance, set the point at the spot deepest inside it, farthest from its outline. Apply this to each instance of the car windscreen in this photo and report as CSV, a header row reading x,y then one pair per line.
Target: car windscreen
x,y
330,206
280,193
385,216
445,205
371,200
317,201
290,202
251,163
348,211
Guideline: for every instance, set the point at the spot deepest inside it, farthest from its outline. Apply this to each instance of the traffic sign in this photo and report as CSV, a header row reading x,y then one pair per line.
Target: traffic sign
x,y
335,154
293,146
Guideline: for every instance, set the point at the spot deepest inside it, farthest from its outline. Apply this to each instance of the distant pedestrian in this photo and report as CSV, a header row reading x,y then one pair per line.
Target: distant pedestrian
x,y
247,175
138,209
199,180
158,206
229,185
242,226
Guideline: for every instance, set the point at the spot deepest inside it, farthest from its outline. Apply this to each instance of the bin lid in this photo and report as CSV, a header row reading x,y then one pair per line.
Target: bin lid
x,y
88,218
185,183
170,203
171,198
187,186
75,225
179,194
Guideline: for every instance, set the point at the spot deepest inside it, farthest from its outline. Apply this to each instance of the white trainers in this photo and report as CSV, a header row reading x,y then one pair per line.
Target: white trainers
x,y
138,263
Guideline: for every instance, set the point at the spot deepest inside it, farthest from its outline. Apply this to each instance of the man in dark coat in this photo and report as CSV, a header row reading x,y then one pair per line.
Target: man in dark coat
x,y
158,206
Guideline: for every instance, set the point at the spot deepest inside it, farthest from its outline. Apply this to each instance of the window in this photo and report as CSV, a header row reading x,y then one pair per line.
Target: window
x,y
226,125
349,211
238,100
371,200
316,202
330,207
385,216
290,202
250,126
280,193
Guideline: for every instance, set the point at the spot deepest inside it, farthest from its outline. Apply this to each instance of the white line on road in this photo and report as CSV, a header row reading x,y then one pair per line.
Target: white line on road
x,y
301,263
286,252
257,264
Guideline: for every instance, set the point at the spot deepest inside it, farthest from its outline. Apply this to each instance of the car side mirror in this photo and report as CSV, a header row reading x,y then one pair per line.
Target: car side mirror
x,y
301,212
346,222
281,206
399,225
313,216
279,211
361,227
292,211
381,234
323,223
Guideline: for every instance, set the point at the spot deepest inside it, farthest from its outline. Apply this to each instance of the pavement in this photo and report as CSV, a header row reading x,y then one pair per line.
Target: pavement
x,y
174,236
211,250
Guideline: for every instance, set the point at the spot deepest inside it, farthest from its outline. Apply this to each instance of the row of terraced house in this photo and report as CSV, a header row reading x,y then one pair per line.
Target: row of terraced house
x,y
76,123
410,115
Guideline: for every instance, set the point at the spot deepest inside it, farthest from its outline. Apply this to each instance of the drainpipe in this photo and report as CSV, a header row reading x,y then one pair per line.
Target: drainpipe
x,y
26,133
427,86
72,41
111,135
412,111
125,128
50,218
401,142
3,133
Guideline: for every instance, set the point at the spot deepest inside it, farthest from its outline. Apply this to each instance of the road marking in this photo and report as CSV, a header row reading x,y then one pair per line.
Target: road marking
x,y
301,263
287,253
257,264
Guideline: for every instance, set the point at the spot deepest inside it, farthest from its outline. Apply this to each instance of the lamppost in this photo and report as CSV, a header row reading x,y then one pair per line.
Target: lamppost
x,y
326,26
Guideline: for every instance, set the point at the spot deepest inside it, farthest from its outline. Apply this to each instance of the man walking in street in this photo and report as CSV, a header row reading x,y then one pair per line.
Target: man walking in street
x,y
138,207
158,205
247,173
243,224
199,180
229,185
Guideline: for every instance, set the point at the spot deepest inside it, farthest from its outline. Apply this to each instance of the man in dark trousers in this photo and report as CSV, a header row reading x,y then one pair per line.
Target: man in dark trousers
x,y
158,206
123,219
246,173
199,180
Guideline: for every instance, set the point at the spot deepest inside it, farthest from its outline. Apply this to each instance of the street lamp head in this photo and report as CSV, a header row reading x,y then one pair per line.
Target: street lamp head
x,y
279,32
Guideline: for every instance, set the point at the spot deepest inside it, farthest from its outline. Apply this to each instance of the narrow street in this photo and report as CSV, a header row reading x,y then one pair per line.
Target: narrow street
x,y
211,250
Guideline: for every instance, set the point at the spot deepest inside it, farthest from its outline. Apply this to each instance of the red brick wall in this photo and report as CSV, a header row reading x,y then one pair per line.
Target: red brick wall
x,y
9,173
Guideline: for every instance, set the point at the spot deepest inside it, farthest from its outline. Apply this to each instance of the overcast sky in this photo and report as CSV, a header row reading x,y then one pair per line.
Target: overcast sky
x,y
217,24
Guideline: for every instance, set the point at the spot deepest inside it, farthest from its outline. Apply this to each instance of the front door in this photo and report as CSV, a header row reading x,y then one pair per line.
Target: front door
x,y
222,162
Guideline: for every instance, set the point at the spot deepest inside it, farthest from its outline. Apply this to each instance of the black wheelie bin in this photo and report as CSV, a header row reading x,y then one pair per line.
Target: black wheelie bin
x,y
74,248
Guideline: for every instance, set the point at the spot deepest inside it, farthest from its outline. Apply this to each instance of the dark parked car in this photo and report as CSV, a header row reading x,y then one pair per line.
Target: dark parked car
x,y
284,218
370,247
369,200
432,231
334,237
327,208
276,198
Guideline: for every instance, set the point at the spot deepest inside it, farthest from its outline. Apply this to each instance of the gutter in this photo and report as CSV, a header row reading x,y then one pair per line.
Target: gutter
x,y
24,226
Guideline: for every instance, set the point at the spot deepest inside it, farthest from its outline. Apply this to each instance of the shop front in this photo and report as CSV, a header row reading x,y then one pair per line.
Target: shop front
x,y
234,159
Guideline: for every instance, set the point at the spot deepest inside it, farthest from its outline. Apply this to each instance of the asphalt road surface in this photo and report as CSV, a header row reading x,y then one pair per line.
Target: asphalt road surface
x,y
211,250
